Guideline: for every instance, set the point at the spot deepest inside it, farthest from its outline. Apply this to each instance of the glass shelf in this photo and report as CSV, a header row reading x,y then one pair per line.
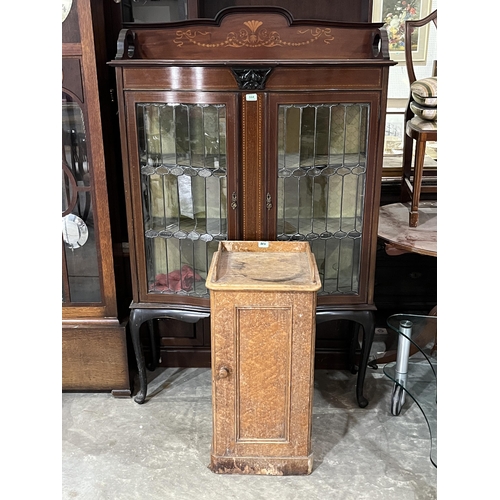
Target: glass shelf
x,y
184,227
416,375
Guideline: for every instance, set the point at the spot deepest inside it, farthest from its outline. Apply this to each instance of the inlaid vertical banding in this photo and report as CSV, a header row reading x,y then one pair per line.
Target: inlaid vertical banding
x,y
252,167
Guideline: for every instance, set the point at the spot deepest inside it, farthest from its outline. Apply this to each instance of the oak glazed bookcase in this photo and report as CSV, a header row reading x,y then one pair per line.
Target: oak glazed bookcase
x,y
94,298
251,126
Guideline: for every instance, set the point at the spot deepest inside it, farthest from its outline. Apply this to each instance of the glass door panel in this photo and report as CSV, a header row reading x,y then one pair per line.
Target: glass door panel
x,y
183,160
81,272
322,150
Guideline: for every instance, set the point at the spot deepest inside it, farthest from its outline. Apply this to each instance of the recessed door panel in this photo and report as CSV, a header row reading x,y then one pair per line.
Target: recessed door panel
x,y
263,380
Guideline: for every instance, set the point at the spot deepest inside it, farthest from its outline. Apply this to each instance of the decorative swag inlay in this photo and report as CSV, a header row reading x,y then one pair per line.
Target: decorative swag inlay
x,y
255,36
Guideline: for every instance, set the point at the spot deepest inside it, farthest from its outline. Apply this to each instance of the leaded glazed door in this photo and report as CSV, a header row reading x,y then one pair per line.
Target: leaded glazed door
x,y
183,155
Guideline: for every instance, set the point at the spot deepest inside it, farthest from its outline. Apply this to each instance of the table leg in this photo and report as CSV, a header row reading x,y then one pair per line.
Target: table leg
x,y
403,356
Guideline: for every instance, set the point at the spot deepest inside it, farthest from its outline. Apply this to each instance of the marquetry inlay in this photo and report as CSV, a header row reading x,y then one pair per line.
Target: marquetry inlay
x,y
255,34
252,168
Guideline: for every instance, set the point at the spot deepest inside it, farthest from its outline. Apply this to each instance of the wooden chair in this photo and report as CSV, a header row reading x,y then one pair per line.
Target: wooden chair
x,y
417,129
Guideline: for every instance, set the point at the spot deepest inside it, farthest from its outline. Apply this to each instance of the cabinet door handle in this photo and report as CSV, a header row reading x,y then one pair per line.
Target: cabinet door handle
x,y
223,372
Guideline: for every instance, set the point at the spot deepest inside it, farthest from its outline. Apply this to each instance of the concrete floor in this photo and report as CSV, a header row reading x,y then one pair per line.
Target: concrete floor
x,y
115,449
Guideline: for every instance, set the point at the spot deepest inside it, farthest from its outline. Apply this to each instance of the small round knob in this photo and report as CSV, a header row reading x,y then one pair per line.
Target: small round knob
x,y
223,372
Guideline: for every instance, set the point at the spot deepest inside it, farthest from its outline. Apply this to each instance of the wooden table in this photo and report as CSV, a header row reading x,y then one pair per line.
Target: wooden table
x,y
400,238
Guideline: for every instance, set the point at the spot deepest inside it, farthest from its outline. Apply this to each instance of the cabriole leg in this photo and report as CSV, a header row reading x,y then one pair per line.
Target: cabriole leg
x,y
136,321
367,321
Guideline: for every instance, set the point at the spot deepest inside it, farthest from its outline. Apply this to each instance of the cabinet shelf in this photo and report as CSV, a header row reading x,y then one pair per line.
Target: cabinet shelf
x,y
191,243
203,166
323,165
201,229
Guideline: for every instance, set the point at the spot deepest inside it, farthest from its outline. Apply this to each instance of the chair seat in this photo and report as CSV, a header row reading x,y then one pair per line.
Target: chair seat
x,y
424,112
424,129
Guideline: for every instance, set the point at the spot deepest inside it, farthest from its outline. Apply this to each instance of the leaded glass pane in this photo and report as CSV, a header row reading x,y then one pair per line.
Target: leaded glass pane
x,y
81,277
321,186
182,149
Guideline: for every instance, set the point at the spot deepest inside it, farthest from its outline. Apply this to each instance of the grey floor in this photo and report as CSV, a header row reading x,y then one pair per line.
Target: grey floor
x,y
117,449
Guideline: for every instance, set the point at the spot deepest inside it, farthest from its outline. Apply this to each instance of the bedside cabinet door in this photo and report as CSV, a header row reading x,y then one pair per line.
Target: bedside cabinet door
x,y
262,376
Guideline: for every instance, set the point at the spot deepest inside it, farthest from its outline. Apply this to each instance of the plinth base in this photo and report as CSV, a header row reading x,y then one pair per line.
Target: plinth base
x,y
268,466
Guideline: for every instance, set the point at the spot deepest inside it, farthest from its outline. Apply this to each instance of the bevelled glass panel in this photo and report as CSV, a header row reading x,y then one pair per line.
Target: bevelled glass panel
x,y
321,186
81,280
182,151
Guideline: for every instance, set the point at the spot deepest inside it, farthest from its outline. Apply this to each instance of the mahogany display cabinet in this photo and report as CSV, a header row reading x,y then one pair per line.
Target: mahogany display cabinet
x,y
251,126
94,347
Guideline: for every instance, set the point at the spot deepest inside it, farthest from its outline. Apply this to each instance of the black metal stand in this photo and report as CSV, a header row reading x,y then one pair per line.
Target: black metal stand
x,y
137,317
367,321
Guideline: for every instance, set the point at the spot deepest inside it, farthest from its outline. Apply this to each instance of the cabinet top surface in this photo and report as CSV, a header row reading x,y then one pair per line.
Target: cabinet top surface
x,y
276,266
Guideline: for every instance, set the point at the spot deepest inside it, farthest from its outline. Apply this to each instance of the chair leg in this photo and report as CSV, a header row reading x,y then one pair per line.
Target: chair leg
x,y
417,182
407,160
